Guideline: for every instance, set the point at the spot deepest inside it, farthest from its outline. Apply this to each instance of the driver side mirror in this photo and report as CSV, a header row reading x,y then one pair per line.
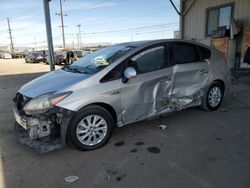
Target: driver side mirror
x,y
128,73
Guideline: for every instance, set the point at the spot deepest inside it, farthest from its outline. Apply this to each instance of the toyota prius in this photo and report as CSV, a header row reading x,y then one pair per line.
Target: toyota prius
x,y
85,101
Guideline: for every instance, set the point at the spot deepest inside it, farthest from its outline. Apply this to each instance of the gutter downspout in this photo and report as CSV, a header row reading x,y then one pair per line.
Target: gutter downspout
x,y
181,22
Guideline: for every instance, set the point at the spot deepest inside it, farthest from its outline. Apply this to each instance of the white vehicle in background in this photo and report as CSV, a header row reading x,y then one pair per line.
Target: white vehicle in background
x,y
5,55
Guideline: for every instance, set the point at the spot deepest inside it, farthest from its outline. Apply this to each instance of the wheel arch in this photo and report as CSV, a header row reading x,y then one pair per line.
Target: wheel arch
x,y
68,133
220,82
107,107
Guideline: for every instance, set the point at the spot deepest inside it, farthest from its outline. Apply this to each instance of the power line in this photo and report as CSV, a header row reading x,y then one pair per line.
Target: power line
x,y
39,42
118,34
75,11
156,11
3,31
131,29
26,12
150,30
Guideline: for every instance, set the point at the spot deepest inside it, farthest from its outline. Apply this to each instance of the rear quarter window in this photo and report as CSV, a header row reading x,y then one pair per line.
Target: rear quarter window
x,y
183,53
205,53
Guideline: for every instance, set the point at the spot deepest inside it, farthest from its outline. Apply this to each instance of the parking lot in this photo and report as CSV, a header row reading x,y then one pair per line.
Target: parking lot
x,y
197,149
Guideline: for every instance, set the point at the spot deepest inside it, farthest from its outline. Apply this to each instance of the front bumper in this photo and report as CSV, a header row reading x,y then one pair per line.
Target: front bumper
x,y
45,132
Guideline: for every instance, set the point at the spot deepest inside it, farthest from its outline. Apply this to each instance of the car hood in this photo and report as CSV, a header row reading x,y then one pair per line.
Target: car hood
x,y
51,82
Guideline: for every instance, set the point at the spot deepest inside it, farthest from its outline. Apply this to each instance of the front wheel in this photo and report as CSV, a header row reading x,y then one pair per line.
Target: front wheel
x,y
91,128
213,97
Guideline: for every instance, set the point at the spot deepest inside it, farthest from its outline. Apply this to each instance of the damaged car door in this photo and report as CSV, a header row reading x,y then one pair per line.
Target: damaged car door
x,y
190,75
146,94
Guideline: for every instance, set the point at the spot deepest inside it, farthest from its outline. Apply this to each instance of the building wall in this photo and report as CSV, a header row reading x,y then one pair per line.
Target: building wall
x,y
195,19
195,24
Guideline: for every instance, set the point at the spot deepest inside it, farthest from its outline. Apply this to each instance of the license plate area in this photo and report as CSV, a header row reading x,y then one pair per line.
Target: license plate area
x,y
21,121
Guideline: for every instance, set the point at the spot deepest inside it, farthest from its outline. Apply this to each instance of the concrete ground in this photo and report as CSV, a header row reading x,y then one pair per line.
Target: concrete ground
x,y
18,66
198,149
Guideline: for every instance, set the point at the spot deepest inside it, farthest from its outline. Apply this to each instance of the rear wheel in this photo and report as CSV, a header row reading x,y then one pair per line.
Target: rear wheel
x,y
91,128
213,97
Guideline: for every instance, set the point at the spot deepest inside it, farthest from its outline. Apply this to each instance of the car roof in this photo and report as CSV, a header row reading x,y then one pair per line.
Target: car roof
x,y
152,42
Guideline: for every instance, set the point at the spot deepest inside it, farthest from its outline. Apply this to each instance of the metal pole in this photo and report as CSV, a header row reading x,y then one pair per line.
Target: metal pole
x,y
77,34
62,24
79,26
178,12
11,41
49,34
181,24
35,41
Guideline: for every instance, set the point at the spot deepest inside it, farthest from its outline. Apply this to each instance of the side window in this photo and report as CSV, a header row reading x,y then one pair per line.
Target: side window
x,y
150,60
184,53
114,74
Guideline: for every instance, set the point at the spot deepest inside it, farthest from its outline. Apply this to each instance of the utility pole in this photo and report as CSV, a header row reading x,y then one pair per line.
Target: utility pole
x,y
11,41
35,41
79,35
49,34
61,14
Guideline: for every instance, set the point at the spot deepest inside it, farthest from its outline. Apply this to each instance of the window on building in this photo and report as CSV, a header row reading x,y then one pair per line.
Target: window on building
x,y
218,17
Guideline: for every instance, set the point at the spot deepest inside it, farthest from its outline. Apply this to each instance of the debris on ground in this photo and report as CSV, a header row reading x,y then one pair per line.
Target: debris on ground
x,y
162,127
71,179
108,177
120,177
111,171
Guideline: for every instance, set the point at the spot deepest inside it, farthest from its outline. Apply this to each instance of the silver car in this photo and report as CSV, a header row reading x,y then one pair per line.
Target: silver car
x,y
115,86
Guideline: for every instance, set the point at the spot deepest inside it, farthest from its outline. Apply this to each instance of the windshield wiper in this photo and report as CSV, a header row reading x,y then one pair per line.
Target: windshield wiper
x,y
75,70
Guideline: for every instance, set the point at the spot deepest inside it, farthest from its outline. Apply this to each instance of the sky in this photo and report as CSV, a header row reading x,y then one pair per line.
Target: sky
x,y
101,21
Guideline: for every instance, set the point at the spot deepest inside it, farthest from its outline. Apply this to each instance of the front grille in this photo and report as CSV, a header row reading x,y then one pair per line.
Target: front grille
x,y
20,101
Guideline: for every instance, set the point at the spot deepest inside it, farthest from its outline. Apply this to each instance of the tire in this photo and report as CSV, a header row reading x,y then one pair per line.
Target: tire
x,y
85,137
210,104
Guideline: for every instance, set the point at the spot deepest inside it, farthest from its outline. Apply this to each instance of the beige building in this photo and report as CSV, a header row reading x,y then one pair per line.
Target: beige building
x,y
225,23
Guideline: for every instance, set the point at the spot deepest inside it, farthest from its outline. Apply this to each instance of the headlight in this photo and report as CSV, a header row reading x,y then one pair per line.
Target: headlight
x,y
44,102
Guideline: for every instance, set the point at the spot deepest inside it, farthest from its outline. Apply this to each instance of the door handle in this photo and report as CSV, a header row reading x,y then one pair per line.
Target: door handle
x,y
203,71
167,79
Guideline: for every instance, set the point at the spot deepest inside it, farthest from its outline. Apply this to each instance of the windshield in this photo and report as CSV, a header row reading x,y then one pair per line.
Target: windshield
x,y
78,53
100,59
